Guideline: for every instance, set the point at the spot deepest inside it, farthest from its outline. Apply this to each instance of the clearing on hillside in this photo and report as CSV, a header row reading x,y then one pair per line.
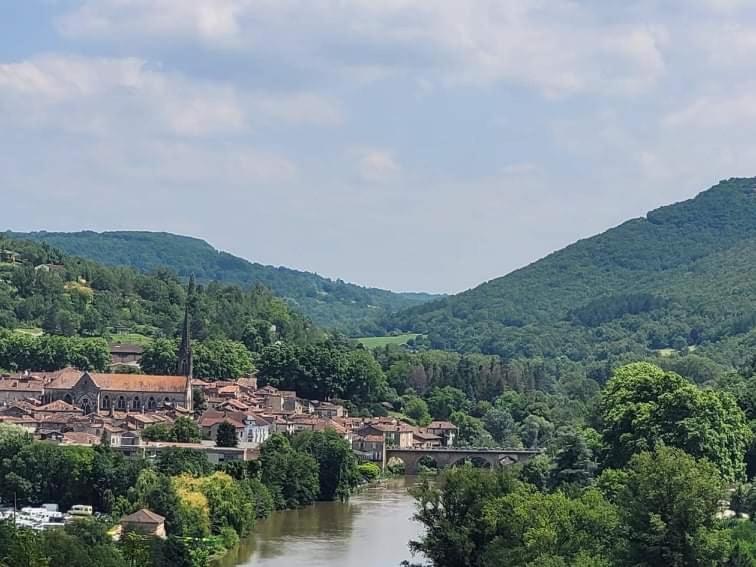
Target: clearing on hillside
x,y
376,342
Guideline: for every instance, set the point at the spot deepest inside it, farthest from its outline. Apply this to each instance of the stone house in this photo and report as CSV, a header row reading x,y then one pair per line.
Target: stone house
x,y
15,390
423,439
446,430
328,410
395,433
126,354
370,447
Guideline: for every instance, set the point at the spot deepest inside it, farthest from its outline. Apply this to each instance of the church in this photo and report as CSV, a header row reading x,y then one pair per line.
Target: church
x,y
94,392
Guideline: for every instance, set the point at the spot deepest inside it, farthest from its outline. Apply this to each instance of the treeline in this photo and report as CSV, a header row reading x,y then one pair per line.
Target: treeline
x,y
640,482
207,509
20,351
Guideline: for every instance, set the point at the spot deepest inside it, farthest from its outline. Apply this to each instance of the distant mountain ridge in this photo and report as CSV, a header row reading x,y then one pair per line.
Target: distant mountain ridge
x,y
335,304
683,278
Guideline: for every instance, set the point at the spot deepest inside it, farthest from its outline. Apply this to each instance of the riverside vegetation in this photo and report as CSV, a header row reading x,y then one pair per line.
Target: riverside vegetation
x,y
207,509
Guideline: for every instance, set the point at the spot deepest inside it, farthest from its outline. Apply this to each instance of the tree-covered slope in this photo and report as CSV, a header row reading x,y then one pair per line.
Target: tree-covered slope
x,y
41,287
329,303
683,278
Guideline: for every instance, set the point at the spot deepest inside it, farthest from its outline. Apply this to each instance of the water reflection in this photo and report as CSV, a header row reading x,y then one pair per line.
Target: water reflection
x,y
371,530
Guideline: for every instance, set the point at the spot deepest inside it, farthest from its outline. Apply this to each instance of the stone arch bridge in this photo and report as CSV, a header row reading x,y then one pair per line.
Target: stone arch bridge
x,y
449,456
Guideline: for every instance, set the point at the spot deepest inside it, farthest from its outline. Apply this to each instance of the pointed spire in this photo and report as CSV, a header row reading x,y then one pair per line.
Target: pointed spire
x,y
185,362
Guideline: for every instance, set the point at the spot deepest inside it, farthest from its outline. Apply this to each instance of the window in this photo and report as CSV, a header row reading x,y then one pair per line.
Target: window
x,y
151,403
106,402
68,399
137,403
121,403
86,407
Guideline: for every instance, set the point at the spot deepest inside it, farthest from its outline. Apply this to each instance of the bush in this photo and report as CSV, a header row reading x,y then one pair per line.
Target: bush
x,y
228,536
369,471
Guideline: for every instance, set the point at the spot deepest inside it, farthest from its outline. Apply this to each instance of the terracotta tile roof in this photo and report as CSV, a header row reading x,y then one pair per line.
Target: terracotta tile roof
x,y
123,382
18,420
143,516
258,420
80,438
126,348
58,406
20,385
211,421
64,379
426,436
442,425
140,382
236,404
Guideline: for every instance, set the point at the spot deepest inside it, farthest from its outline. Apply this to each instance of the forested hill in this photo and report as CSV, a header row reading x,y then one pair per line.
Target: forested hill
x,y
43,288
682,278
334,304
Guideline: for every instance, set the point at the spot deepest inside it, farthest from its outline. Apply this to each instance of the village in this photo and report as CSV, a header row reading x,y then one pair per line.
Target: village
x,y
74,407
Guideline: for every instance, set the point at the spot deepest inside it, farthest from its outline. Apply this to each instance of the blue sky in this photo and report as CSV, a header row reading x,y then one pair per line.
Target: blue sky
x,y
412,145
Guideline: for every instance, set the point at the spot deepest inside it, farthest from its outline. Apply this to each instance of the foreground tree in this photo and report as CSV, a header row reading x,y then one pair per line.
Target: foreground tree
x,y
290,475
337,465
668,507
643,406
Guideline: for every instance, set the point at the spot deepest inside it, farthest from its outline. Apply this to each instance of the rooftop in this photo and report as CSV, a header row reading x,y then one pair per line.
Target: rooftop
x,y
143,516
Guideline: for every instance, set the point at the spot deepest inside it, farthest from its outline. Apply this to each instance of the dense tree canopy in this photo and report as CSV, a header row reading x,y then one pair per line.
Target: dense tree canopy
x,y
322,371
643,406
333,304
66,295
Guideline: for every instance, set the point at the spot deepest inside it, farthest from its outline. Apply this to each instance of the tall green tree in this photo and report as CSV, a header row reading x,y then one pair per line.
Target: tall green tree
x,y
337,465
668,506
226,436
643,406
292,476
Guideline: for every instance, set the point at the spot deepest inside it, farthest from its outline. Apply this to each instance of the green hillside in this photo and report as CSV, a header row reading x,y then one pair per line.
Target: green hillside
x,y
334,304
682,278
43,288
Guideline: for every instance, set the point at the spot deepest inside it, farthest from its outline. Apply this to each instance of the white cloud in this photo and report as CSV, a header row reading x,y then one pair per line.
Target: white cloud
x,y
98,95
558,46
715,111
102,95
213,22
375,165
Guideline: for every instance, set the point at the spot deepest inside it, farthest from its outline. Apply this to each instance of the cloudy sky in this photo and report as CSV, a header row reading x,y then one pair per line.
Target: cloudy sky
x,y
407,144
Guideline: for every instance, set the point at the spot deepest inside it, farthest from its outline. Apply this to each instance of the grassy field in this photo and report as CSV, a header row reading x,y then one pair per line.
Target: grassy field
x,y
375,342
130,339
33,331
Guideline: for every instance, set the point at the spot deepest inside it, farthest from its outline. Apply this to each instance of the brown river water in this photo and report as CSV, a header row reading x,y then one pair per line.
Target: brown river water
x,y
371,530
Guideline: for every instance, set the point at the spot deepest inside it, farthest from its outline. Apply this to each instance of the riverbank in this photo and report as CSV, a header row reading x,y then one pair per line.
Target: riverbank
x,y
372,529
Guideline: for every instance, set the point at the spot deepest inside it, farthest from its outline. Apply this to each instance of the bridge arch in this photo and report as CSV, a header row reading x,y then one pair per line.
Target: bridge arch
x,y
447,457
427,463
475,461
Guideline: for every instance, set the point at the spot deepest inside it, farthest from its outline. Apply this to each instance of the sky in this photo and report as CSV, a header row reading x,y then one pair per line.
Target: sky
x,y
407,144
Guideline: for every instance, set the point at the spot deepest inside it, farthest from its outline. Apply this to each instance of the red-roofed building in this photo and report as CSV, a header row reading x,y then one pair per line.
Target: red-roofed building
x,y
93,392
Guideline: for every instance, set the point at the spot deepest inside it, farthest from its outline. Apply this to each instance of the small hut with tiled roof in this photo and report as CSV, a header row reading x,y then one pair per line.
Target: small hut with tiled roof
x,y
145,522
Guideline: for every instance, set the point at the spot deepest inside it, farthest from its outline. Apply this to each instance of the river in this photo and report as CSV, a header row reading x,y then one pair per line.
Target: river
x,y
371,530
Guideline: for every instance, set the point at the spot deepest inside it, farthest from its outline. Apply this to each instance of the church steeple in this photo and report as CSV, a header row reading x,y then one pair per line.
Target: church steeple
x,y
185,362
